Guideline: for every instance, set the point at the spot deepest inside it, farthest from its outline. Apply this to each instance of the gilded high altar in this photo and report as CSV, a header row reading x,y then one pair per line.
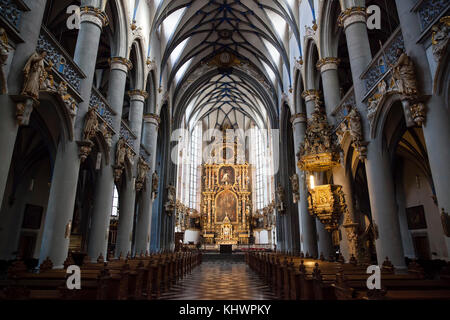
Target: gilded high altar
x,y
226,203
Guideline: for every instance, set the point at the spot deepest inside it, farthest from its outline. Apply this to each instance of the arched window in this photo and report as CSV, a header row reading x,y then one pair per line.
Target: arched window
x,y
196,158
115,205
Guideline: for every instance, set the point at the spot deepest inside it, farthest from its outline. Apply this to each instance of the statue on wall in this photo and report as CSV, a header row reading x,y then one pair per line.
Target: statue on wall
x,y
91,126
69,101
295,187
4,53
280,194
121,152
155,184
142,170
404,74
34,73
439,40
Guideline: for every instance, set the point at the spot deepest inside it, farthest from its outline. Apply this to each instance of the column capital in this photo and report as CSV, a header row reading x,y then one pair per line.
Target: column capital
x,y
120,63
309,95
299,117
152,118
352,15
94,15
329,63
139,95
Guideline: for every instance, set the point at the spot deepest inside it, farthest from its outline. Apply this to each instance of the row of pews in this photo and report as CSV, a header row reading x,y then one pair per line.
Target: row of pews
x,y
299,278
143,277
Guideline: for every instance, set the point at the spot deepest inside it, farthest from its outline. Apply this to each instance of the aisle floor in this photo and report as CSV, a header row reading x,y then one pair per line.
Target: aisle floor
x,y
220,280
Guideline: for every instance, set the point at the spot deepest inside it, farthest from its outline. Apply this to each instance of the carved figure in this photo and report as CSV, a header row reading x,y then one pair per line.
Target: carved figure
x,y
34,72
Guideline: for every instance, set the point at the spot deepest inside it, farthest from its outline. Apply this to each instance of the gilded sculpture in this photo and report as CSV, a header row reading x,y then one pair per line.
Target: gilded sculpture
x,y
91,125
440,39
34,75
142,170
404,74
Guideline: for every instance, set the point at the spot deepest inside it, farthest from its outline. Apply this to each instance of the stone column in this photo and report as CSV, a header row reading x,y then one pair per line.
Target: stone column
x,y
306,221
143,223
30,27
380,182
383,205
330,80
99,232
436,128
58,221
310,97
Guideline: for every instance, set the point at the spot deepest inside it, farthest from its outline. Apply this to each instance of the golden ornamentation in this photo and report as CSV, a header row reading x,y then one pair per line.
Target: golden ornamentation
x,y
359,12
91,125
69,101
85,149
318,152
152,116
440,38
327,203
4,53
97,13
142,170
311,94
122,154
224,60
141,93
328,60
124,61
405,74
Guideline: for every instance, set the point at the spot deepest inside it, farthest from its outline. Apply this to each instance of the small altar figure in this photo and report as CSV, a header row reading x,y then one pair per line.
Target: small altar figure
x,y
225,178
404,74
34,72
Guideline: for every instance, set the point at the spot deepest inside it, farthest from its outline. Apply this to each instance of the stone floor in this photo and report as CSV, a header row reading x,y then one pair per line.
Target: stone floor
x,y
220,279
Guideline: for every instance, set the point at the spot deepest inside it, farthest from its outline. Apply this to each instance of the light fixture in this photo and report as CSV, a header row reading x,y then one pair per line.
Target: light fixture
x,y
312,183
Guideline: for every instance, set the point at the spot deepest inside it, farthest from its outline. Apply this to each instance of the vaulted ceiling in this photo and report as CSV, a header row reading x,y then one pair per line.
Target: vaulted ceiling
x,y
226,58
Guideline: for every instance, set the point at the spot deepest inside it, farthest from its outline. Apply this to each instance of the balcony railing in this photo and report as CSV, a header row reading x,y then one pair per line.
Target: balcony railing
x,y
379,66
102,107
62,62
130,137
11,11
341,110
430,11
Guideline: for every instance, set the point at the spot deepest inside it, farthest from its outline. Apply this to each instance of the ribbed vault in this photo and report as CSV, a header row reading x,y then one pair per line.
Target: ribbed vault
x,y
225,59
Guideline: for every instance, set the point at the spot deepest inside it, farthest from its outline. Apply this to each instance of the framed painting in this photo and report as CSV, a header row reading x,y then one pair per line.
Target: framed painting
x,y
416,218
